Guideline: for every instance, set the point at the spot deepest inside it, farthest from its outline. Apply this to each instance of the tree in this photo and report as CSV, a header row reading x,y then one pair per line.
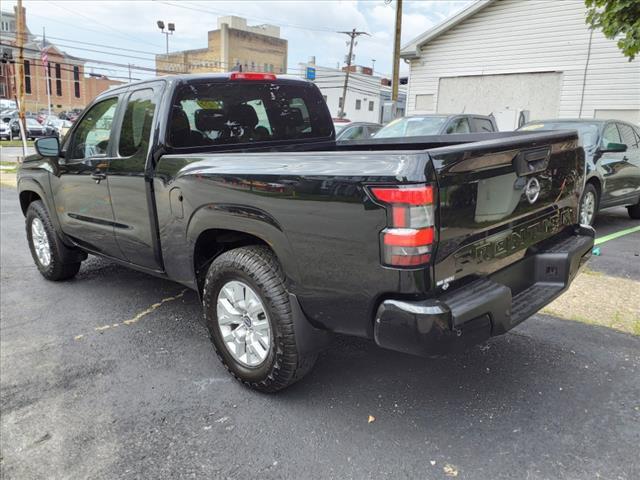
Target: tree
x,y
616,18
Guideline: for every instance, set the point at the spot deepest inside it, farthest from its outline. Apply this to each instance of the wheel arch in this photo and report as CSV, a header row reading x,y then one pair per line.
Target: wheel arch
x,y
597,184
214,229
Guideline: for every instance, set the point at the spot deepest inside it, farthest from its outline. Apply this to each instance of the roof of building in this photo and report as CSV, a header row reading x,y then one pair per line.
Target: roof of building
x,y
412,49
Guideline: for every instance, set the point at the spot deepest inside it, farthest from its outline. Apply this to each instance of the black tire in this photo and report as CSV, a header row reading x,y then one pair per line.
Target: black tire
x,y
257,267
65,262
589,189
634,211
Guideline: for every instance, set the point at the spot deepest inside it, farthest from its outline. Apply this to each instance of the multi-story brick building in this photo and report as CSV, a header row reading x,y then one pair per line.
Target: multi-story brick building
x,y
64,73
233,46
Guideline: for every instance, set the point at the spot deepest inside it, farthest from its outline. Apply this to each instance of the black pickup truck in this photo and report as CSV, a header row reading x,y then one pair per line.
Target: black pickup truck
x,y
233,185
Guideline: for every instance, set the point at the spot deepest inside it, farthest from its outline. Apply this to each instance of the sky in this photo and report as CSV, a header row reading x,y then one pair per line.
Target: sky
x,y
310,27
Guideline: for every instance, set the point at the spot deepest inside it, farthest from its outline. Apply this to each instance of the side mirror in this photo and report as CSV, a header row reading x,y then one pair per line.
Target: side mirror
x,y
613,147
48,147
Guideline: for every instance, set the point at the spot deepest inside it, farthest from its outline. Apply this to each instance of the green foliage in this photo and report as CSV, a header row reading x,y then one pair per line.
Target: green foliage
x,y
617,18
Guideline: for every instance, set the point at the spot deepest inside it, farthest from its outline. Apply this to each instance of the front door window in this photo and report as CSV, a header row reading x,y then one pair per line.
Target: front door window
x,y
91,137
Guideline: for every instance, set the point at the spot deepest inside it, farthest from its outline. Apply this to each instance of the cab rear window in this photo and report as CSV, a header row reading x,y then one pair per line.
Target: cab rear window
x,y
220,113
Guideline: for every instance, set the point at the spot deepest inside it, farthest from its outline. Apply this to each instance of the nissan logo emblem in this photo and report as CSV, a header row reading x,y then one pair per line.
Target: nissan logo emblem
x,y
532,190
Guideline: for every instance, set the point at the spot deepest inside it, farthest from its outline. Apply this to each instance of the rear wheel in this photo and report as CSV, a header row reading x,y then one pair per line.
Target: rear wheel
x,y
248,314
634,211
54,259
588,205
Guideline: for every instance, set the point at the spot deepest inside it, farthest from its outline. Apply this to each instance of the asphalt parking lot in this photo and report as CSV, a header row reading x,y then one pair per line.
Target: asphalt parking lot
x,y
82,398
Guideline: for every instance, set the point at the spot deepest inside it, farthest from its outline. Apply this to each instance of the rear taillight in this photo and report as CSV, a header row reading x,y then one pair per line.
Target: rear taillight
x,y
409,239
251,76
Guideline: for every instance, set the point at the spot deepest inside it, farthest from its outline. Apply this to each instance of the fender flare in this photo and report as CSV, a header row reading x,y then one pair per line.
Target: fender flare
x,y
244,219
30,184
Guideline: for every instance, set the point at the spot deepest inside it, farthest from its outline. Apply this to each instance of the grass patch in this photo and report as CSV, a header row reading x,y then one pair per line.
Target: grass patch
x,y
598,299
8,167
15,143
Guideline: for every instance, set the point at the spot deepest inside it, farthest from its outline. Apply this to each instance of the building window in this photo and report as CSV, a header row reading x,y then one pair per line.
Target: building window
x,y
58,81
371,105
358,104
340,102
49,77
271,67
76,81
27,77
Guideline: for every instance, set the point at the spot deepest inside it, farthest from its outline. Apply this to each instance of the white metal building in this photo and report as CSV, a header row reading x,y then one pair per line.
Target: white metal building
x,y
519,59
365,93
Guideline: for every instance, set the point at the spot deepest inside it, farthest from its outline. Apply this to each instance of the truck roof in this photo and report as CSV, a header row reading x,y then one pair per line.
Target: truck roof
x,y
207,76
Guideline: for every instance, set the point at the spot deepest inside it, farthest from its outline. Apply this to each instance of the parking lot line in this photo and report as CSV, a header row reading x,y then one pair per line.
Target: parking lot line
x,y
615,235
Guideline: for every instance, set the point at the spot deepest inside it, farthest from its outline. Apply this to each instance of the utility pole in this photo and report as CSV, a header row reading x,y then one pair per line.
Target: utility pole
x,y
20,35
396,53
353,34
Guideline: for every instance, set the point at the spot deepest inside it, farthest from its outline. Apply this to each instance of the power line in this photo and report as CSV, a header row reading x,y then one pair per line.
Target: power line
x,y
262,19
110,27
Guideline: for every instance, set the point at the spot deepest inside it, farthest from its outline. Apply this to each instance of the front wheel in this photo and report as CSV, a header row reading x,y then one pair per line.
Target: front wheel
x,y
634,211
588,205
54,259
248,314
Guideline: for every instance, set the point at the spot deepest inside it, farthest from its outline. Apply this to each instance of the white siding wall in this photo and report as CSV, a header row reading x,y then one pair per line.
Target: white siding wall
x,y
515,36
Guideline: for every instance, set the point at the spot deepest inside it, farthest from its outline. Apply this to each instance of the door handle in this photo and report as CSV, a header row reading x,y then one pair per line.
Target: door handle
x,y
98,176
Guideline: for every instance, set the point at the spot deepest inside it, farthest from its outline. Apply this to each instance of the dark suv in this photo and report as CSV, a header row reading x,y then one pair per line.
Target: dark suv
x,y
612,149
436,124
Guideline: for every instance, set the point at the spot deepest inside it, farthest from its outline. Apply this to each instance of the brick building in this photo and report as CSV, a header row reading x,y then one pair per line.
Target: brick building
x,y
233,46
69,86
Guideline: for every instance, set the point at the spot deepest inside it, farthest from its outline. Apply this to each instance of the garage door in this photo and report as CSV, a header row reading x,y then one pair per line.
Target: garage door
x,y
502,95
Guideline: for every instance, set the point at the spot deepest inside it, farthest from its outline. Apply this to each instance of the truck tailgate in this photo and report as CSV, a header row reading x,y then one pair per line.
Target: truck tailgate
x,y
499,197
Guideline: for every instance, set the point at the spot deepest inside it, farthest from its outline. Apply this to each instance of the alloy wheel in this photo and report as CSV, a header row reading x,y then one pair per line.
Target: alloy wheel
x,y
40,242
244,323
587,208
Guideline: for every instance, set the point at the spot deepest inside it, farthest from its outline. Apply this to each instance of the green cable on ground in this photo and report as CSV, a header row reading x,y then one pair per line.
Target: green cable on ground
x,y
615,235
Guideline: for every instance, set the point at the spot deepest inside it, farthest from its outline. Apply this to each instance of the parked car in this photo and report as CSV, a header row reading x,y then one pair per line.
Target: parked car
x,y
340,123
70,115
34,129
418,125
233,185
41,116
5,131
612,149
55,126
357,131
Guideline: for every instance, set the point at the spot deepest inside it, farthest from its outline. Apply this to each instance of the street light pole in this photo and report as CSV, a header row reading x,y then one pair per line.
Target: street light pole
x,y
171,27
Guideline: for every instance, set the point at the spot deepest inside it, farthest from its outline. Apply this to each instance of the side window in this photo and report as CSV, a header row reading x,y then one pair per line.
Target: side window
x,y
610,134
91,137
353,133
135,131
628,137
637,134
483,125
460,125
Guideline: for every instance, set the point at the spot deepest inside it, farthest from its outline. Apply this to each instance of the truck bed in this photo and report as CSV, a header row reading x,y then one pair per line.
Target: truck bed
x,y
313,205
